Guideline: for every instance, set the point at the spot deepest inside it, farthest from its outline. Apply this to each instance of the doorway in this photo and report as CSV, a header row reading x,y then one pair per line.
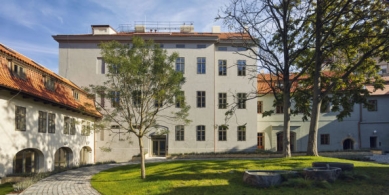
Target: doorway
x,y
280,140
348,144
159,147
373,142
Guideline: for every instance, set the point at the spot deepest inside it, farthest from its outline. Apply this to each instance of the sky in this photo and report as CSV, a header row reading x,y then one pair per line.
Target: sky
x,y
28,26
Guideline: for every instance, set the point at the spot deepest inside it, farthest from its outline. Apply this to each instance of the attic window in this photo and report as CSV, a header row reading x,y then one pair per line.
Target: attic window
x,y
180,45
49,82
222,48
18,71
200,46
75,94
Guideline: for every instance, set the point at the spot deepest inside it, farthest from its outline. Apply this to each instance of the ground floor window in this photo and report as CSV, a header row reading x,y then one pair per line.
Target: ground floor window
x,y
222,133
26,161
325,139
62,158
242,133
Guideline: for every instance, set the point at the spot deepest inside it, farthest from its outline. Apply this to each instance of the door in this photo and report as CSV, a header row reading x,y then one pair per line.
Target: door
x,y
260,143
373,142
159,147
280,140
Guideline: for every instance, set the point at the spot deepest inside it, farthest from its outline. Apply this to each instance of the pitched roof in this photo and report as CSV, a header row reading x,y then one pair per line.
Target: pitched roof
x,y
263,81
33,83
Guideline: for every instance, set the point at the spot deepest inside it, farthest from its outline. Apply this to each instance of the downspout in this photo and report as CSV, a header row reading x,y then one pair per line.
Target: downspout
x,y
214,99
359,126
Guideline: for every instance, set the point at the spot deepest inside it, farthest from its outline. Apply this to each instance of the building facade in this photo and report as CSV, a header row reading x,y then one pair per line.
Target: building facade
x,y
216,74
365,128
46,120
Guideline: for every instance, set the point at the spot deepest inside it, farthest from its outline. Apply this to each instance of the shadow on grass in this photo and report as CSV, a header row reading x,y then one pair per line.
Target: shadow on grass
x,y
226,177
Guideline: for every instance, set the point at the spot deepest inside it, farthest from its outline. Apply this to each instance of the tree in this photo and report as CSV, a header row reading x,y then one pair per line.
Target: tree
x,y
350,36
277,29
143,88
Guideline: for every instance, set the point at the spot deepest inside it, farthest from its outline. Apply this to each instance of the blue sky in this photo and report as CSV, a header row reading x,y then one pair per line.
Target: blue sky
x,y
27,26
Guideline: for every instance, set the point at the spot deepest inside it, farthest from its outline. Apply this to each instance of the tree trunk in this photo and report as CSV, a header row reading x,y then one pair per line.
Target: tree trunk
x,y
286,142
316,102
142,159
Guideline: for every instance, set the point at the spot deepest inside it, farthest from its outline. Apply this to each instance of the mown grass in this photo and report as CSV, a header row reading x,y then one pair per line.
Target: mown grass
x,y
6,188
226,177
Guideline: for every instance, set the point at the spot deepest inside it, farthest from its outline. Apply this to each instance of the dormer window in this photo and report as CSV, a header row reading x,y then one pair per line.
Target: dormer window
x,y
18,71
49,82
75,94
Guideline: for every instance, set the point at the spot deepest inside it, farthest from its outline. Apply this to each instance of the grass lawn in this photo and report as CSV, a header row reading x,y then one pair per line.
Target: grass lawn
x,y
6,188
226,177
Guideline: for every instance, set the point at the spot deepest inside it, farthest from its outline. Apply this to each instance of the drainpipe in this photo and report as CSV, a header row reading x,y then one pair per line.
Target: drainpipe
x,y
359,126
214,100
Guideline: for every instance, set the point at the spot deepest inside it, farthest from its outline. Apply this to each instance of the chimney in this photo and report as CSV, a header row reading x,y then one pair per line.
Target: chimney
x,y
215,29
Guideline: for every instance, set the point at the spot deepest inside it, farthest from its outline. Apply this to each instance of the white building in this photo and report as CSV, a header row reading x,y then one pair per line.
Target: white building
x,y
364,129
216,75
44,119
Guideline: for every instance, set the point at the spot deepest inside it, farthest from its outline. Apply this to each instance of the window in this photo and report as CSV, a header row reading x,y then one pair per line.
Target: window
x,y
241,48
383,69
180,64
222,133
85,131
279,109
241,133
42,122
49,82
180,98
72,126
222,67
115,99
180,133
222,48
51,123
20,118
18,71
201,99
200,133
158,103
241,67
101,67
75,94
102,99
325,139
180,45
161,45
201,62
259,107
66,129
136,98
222,100
241,100
200,46
372,105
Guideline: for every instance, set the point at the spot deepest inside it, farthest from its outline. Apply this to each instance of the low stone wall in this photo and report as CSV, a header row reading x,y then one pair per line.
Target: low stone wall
x,y
340,154
12,179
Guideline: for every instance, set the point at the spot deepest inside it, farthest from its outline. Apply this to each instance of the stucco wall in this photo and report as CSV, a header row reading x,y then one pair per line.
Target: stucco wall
x,y
12,141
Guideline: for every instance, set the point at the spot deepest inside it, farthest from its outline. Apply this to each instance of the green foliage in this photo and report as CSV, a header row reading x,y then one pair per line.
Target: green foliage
x,y
141,85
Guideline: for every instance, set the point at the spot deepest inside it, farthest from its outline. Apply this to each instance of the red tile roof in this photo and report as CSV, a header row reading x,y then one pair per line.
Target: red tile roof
x,y
263,81
33,85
